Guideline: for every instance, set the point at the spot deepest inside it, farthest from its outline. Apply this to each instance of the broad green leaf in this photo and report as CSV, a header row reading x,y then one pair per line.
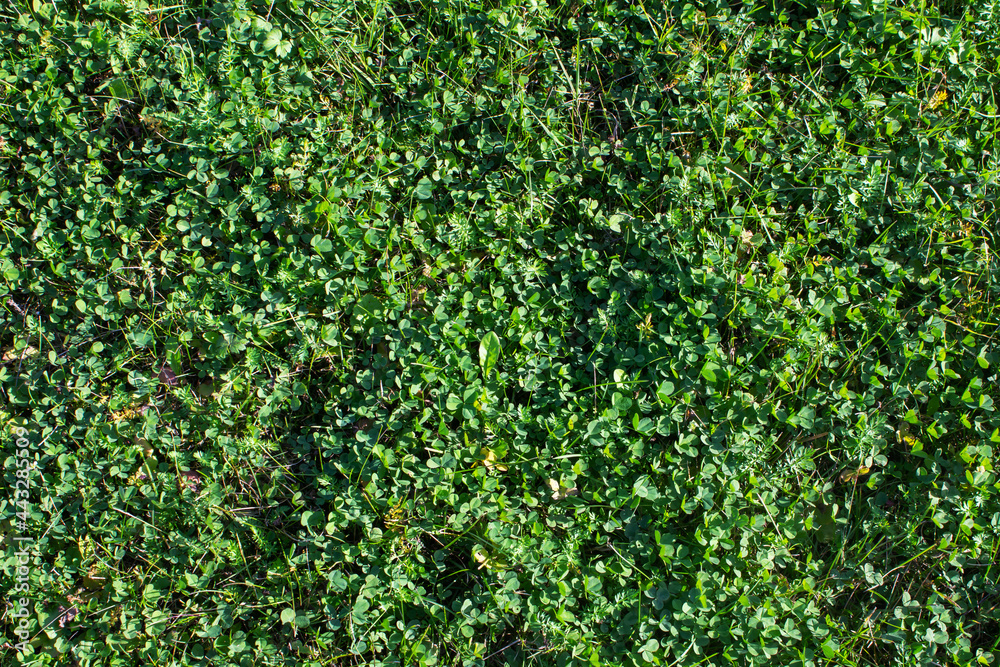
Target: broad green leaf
x,y
489,352
322,245
119,88
272,40
368,308
425,188
708,371
565,615
665,391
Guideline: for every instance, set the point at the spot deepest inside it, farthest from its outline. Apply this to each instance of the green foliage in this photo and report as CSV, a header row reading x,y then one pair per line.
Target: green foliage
x,y
452,333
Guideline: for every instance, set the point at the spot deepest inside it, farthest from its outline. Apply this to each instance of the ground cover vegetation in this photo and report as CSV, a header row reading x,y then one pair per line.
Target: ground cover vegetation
x,y
478,333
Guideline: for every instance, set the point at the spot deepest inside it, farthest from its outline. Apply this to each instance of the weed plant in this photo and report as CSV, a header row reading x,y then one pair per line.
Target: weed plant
x,y
447,332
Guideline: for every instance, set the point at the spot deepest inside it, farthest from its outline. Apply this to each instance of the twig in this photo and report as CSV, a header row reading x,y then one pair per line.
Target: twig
x,y
516,641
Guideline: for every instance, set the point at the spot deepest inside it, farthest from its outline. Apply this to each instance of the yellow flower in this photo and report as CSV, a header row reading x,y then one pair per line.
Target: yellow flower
x,y
490,460
937,99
